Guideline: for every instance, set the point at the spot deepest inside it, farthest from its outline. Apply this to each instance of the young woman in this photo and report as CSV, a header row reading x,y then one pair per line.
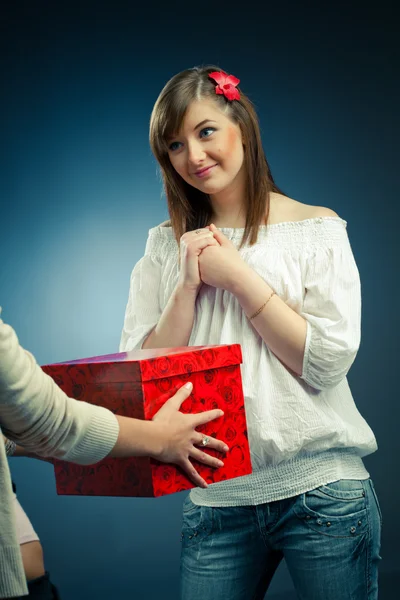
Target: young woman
x,y
239,262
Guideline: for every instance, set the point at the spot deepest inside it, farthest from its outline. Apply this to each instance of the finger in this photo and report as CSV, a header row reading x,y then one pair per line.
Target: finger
x,y
163,398
187,239
212,443
205,458
200,238
211,245
200,229
180,396
204,233
219,236
196,247
207,416
190,242
190,234
197,479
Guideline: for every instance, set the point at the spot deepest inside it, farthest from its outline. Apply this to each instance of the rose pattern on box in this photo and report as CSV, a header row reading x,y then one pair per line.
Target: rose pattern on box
x,y
215,374
225,393
176,364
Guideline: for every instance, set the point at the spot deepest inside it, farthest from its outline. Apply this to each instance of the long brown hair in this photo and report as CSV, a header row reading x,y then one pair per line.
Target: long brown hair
x,y
188,207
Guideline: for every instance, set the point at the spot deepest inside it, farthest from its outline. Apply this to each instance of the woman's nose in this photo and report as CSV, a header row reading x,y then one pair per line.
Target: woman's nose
x,y
196,153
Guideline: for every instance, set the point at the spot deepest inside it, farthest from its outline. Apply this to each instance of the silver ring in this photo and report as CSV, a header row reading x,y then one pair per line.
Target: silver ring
x,y
198,231
205,440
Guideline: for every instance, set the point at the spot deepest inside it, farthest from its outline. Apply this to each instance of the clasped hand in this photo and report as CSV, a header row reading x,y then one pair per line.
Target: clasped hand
x,y
207,256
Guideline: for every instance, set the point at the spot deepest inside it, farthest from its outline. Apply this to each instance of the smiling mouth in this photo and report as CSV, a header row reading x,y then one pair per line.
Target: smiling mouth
x,y
205,171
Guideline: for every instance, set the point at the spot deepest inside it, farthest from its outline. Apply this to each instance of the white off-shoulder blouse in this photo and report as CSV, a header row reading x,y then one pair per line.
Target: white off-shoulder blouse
x,y
303,431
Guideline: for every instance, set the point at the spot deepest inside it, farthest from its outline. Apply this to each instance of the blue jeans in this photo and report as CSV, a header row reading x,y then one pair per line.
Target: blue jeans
x,y
329,538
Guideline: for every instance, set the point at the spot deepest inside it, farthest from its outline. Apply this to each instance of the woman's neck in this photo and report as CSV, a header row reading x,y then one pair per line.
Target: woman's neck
x,y
228,217
228,208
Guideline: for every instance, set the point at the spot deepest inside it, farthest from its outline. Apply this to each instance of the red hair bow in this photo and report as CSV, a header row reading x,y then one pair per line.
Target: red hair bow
x,y
226,84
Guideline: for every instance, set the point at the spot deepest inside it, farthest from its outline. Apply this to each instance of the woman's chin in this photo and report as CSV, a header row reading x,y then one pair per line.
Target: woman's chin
x,y
211,188
208,186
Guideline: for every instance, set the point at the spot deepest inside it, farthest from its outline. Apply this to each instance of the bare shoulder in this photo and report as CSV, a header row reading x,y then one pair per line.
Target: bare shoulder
x,y
283,208
321,211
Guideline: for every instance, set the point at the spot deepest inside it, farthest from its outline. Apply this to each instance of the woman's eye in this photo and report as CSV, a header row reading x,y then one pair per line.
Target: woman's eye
x,y
174,146
207,131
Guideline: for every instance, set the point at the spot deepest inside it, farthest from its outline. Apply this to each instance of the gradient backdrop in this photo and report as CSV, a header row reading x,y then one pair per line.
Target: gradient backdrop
x,y
79,190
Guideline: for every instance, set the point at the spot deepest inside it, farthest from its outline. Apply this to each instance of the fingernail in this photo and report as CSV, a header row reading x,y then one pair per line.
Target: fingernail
x,y
220,463
226,448
221,412
188,385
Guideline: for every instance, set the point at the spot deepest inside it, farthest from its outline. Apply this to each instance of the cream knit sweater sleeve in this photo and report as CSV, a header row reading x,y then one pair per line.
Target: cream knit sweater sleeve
x,y
36,413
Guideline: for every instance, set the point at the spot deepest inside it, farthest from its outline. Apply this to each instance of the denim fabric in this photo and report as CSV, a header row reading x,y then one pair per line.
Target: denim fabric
x,y
329,537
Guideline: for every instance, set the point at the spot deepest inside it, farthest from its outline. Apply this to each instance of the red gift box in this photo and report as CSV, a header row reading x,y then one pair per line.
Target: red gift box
x,y
136,384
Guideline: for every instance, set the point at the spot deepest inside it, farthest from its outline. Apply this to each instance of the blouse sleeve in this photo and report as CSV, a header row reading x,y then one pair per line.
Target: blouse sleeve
x,y
332,309
143,309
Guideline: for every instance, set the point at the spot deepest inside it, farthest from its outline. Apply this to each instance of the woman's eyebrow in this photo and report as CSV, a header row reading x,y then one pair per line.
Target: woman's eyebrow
x,y
202,123
172,136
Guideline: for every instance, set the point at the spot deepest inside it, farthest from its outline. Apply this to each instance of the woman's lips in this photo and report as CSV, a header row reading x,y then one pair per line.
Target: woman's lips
x,y
203,172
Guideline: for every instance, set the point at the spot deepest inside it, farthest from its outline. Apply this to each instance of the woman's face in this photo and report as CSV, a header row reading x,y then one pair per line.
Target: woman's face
x,y
207,152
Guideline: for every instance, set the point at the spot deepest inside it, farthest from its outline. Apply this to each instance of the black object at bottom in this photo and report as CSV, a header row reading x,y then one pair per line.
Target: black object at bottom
x,y
41,588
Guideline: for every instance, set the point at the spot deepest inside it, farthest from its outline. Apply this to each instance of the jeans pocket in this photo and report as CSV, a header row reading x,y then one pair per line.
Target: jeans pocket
x,y
197,523
338,509
343,489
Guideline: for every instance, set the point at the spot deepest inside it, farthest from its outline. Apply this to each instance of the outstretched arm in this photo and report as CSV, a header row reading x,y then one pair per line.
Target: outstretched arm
x,y
44,422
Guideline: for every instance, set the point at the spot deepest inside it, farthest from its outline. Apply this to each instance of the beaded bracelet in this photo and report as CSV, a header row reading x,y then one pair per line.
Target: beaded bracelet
x,y
10,447
262,307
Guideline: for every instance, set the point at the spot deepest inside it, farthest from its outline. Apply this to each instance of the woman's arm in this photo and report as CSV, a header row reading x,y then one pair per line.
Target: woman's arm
x,y
36,414
170,437
13,449
282,329
145,325
321,342
176,322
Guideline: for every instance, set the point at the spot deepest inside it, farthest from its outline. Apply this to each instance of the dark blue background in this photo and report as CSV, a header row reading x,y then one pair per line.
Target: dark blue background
x,y
79,190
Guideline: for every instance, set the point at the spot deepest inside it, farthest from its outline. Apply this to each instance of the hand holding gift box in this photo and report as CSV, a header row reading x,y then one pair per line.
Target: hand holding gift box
x,y
137,384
